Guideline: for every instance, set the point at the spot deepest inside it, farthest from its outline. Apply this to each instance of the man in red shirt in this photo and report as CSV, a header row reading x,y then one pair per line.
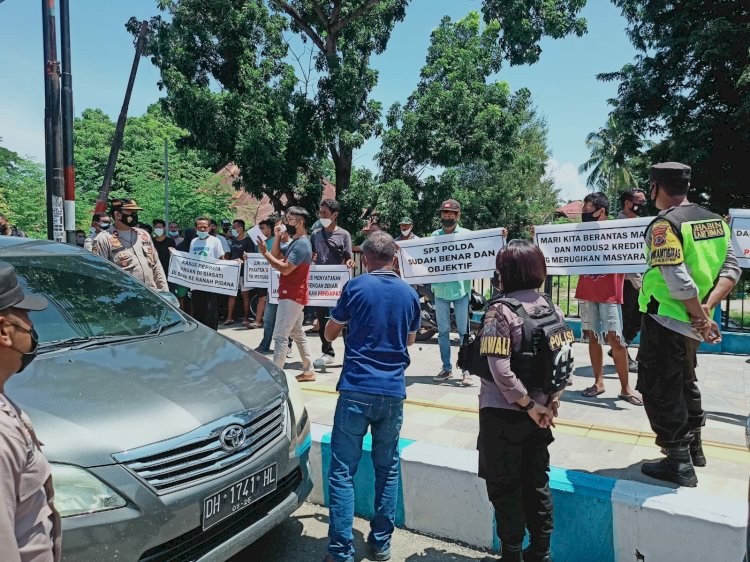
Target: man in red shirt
x,y
600,306
294,265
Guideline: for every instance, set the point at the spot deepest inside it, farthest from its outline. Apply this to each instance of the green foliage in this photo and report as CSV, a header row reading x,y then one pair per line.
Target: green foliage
x,y
688,87
22,193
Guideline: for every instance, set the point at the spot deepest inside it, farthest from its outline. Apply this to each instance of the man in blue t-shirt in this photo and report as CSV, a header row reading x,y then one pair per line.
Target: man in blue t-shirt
x,y
382,317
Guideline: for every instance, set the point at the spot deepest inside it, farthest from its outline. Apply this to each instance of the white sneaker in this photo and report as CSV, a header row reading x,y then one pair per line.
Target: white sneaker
x,y
466,379
323,361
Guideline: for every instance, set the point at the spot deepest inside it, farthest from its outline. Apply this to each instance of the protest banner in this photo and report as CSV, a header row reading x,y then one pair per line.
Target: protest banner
x,y
204,274
612,246
450,257
740,226
325,284
257,271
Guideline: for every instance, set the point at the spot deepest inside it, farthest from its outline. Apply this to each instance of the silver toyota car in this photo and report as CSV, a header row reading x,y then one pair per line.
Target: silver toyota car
x,y
168,441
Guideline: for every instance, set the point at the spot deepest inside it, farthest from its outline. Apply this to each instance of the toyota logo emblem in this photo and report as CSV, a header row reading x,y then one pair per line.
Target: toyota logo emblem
x,y
232,438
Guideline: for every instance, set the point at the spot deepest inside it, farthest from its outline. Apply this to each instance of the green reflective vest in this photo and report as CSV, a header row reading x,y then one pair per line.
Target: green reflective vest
x,y
687,234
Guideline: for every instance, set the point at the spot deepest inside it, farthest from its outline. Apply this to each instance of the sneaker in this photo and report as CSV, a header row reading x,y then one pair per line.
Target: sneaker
x,y
323,361
263,351
442,376
377,553
466,379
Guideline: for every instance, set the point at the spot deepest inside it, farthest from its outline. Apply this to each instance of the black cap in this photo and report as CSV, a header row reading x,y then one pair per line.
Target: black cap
x,y
11,294
670,171
225,222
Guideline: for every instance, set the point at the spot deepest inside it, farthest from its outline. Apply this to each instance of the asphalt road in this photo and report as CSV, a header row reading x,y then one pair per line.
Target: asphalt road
x,y
303,538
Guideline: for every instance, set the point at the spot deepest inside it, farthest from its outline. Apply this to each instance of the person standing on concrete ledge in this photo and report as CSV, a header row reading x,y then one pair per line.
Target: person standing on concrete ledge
x,y
515,418
382,317
691,269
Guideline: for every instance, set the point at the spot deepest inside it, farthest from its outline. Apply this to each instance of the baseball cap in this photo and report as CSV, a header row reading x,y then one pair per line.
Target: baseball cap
x,y
406,220
666,171
450,205
125,205
11,294
225,222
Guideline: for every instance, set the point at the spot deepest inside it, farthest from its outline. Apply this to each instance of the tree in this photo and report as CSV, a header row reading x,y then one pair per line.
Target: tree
x,y
688,89
22,193
224,66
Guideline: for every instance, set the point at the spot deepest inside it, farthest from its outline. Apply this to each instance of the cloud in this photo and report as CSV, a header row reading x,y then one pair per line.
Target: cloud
x,y
567,179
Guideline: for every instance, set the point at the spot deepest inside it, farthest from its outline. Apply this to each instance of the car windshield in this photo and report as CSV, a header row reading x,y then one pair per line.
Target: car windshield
x,y
90,299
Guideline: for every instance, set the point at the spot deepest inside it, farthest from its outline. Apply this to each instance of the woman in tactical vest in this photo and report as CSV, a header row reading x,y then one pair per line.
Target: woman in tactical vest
x,y
516,408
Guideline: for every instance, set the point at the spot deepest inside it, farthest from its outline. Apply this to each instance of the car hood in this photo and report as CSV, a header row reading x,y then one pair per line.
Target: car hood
x,y
88,404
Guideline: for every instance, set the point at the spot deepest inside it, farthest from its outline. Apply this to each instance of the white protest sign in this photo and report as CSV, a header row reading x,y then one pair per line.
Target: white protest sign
x,y
255,233
257,271
204,274
324,286
450,257
612,246
741,235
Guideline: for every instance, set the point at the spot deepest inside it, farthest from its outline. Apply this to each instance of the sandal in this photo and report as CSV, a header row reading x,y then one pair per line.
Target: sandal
x,y
229,322
631,399
252,325
305,377
592,391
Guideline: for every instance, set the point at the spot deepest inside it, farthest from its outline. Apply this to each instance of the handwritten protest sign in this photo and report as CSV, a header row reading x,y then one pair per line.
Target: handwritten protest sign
x,y
325,285
450,257
613,246
740,226
257,271
204,274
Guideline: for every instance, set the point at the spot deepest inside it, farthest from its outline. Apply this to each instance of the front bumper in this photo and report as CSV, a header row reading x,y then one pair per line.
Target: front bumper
x,y
154,528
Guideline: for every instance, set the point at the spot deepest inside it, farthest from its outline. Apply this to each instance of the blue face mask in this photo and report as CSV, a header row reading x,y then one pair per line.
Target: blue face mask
x,y
235,232
174,233
202,235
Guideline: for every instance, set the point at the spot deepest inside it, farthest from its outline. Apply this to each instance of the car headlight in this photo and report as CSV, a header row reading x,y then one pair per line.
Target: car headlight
x,y
78,492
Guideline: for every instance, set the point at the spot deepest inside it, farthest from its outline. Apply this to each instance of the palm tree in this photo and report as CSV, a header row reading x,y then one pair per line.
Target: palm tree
x,y
609,166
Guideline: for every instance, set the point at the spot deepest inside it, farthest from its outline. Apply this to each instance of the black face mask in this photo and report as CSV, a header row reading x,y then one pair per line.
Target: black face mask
x,y
130,220
447,223
588,217
291,229
640,210
28,356
3,228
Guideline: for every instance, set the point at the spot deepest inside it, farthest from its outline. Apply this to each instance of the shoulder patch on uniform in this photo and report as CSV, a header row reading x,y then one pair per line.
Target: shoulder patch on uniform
x,y
666,248
708,230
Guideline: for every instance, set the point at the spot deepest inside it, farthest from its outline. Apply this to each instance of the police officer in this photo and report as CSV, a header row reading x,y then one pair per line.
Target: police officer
x,y
691,269
130,247
29,524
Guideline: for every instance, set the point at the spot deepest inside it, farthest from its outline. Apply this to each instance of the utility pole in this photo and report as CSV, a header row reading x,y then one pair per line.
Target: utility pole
x,y
109,171
166,184
67,123
52,126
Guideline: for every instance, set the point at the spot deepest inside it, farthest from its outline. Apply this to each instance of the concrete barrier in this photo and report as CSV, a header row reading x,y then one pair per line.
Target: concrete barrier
x,y
597,519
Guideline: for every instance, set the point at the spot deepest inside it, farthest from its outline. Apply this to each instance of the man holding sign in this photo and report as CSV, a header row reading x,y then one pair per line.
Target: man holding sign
x,y
294,266
205,303
692,268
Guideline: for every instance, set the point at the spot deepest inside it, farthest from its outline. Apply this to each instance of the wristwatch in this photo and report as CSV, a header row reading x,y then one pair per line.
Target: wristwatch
x,y
528,406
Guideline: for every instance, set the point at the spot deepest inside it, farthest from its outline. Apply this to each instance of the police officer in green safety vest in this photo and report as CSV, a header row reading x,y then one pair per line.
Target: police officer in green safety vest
x,y
691,269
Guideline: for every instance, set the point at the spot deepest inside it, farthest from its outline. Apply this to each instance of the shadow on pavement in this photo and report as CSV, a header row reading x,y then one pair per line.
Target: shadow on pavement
x,y
575,397
436,555
734,419
633,472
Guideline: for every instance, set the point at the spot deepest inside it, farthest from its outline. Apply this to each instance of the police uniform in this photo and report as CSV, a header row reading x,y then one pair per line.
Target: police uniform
x,y
687,248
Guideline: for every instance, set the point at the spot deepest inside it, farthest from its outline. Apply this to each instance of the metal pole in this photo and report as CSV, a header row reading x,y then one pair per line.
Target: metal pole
x,y
53,126
166,184
67,122
109,171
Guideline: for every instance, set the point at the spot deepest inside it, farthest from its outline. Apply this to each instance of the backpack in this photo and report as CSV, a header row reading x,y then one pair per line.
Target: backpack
x,y
545,360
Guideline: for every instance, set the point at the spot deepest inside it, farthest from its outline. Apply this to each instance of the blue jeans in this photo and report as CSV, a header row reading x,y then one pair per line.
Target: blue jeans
x,y
355,411
269,321
443,313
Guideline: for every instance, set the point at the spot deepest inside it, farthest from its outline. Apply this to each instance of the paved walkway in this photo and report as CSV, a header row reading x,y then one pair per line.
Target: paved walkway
x,y
602,435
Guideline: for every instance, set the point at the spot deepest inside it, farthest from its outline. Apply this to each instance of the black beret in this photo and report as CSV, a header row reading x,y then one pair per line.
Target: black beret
x,y
670,171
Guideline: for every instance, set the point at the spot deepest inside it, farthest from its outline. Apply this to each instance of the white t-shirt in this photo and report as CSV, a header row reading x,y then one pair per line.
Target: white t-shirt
x,y
224,243
210,247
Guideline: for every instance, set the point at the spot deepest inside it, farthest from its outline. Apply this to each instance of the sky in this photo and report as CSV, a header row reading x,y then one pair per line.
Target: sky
x,y
563,83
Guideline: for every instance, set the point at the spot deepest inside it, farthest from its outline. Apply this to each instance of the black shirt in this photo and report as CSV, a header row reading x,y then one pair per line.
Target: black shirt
x,y
239,247
162,249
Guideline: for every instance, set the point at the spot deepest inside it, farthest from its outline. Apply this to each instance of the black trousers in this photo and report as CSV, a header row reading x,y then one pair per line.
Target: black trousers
x,y
631,313
514,461
206,308
667,381
322,313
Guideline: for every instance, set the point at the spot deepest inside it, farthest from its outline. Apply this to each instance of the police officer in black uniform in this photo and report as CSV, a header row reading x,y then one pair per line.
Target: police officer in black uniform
x,y
691,269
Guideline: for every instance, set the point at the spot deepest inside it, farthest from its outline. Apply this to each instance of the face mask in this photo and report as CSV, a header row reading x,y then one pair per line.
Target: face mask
x,y
640,210
325,223
174,233
104,225
235,232
588,217
406,232
202,235
291,229
130,220
92,231
28,356
447,223
80,241
3,228
158,232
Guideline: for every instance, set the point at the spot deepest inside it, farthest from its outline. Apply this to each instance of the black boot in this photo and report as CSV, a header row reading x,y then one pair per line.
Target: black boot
x,y
677,468
511,553
696,450
538,551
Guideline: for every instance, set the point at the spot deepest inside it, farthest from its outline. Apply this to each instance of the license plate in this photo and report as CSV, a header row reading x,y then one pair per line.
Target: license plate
x,y
238,496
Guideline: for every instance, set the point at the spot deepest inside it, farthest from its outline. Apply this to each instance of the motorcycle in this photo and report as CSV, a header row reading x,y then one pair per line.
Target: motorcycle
x,y
428,313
